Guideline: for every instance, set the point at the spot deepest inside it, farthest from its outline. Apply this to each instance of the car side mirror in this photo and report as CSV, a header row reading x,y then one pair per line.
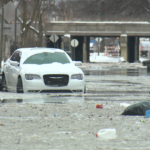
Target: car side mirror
x,y
14,63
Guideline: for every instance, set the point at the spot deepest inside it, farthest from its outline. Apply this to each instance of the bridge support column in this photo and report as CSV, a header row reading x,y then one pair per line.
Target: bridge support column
x,y
136,48
124,46
133,49
85,49
77,52
62,43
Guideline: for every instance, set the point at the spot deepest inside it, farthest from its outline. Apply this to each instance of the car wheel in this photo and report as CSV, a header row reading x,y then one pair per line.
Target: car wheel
x,y
19,86
4,84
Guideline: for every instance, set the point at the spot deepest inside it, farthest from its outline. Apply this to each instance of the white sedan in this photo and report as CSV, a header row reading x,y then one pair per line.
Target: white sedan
x,y
41,70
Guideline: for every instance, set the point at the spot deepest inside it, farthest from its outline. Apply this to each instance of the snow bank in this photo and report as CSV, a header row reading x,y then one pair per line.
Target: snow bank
x,y
102,58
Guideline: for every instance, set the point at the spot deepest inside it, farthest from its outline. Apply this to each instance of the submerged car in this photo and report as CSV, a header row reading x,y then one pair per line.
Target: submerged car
x,y
41,70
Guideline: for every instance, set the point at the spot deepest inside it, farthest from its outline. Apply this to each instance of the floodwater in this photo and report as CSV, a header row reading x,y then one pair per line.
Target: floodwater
x,y
41,120
118,71
105,84
56,100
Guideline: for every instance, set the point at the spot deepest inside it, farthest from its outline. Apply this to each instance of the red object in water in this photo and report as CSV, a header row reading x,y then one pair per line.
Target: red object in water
x,y
99,106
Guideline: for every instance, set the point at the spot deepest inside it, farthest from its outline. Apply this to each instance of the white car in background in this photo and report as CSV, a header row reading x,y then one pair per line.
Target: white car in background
x,y
42,70
144,48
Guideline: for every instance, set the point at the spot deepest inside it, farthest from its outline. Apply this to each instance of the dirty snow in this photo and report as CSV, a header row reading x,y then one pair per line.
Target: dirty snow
x,y
94,57
71,121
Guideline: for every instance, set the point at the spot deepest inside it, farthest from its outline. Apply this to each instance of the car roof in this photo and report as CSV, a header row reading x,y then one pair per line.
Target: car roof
x,y
40,49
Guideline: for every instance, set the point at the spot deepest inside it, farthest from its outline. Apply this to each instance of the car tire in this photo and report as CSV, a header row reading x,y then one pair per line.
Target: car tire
x,y
19,88
4,84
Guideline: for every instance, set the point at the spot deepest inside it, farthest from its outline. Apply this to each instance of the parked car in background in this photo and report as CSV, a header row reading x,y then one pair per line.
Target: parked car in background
x,y
42,70
144,48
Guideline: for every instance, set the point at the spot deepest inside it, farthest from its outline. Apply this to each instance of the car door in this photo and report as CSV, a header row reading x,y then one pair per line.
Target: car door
x,y
8,70
14,70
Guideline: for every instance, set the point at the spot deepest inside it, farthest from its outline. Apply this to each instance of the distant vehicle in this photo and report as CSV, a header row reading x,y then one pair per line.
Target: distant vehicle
x,y
144,48
42,70
93,46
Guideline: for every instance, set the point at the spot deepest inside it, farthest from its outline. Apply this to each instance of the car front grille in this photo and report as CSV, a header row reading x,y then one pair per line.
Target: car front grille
x,y
56,80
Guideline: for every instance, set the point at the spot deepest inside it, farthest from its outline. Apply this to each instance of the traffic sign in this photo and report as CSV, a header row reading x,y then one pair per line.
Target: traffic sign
x,y
74,43
54,38
98,39
9,12
9,29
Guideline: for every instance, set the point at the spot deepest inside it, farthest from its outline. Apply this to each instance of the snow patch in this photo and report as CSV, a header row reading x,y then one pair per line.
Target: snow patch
x,y
20,19
34,29
102,58
67,35
28,22
122,59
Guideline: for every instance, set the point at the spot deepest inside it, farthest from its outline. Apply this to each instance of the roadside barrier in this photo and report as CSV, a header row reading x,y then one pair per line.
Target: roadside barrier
x,y
112,51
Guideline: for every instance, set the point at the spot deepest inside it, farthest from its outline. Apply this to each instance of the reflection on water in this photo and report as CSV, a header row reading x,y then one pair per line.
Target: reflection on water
x,y
57,100
118,71
118,92
117,82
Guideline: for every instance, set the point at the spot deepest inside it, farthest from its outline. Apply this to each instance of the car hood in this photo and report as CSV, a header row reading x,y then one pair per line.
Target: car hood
x,y
55,68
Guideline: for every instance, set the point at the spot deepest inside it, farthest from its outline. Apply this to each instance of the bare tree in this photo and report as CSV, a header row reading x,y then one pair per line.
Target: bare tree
x,y
32,17
126,10
35,13
105,10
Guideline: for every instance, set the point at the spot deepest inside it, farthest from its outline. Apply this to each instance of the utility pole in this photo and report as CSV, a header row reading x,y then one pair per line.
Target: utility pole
x,y
1,51
15,27
98,10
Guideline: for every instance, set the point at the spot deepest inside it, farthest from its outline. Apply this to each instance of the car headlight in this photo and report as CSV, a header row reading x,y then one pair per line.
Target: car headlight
x,y
32,76
77,76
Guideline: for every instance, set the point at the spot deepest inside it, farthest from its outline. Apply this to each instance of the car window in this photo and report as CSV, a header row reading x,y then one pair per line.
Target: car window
x,y
15,57
47,58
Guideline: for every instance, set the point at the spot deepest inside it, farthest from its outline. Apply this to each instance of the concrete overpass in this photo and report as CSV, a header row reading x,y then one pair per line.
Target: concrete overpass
x,y
129,33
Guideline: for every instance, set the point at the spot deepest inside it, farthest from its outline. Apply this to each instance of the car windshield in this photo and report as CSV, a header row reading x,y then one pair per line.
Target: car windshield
x,y
47,58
